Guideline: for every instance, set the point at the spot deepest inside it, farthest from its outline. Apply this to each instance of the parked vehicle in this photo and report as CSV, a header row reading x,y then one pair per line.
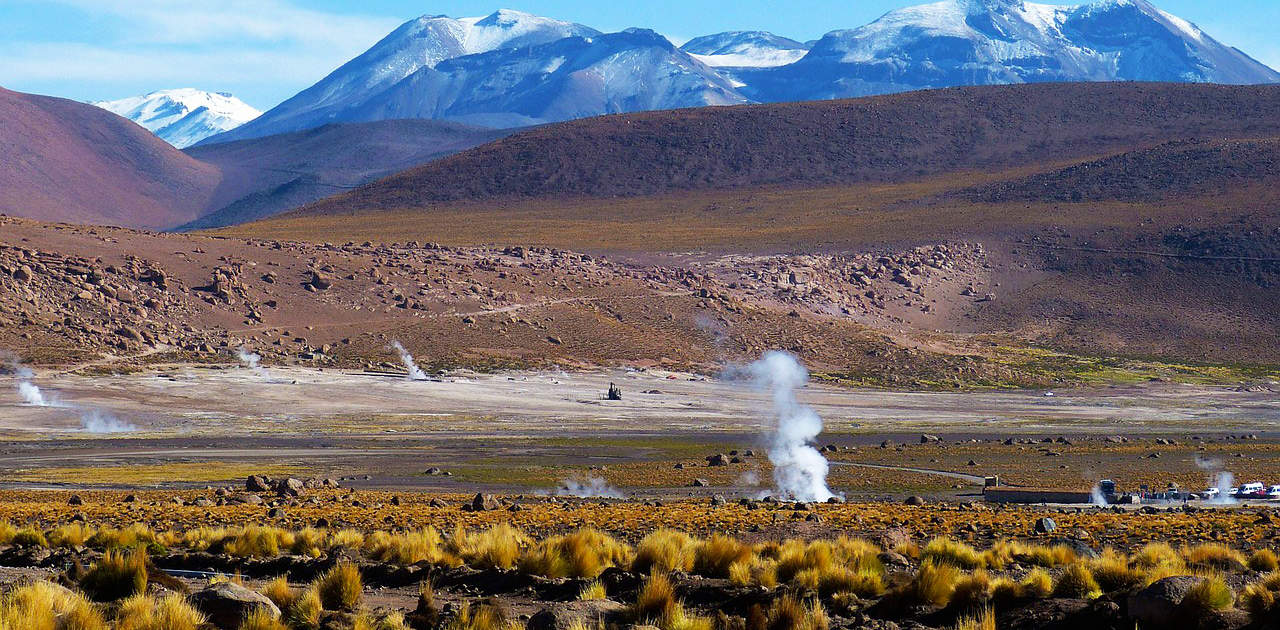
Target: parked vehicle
x,y
1253,490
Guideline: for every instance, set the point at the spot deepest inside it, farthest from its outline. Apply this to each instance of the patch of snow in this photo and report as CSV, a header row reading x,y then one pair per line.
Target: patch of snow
x,y
1186,27
183,116
752,58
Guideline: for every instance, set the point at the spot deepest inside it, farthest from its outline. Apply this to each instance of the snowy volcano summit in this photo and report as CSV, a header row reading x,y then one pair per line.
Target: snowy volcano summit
x,y
512,69
982,42
184,116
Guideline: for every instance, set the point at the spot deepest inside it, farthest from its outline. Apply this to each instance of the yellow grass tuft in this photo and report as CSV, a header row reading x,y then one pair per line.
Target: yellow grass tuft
x,y
487,615
47,606
173,612
280,593
933,584
984,621
655,601
1076,582
592,591
262,619
788,613
340,588
1112,571
1209,594
497,547
714,556
974,591
956,554
581,554
1214,556
306,610
663,551
115,576
1264,561
1036,585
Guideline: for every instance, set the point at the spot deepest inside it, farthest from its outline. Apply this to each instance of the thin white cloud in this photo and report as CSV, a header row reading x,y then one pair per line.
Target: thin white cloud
x,y
93,64
242,21
267,48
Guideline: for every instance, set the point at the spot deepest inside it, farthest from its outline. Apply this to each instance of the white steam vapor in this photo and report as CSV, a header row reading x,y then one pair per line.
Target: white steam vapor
x,y
1221,479
1096,497
415,373
91,420
799,470
249,359
29,392
98,421
591,488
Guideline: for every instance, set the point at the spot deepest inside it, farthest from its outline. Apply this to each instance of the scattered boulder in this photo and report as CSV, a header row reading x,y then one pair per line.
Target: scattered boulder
x,y
484,503
75,500
929,439
718,459
914,500
290,487
1156,606
700,483
1045,525
572,614
226,604
320,281
257,483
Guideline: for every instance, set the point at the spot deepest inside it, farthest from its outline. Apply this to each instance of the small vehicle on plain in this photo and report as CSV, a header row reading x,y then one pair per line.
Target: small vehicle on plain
x,y
1253,490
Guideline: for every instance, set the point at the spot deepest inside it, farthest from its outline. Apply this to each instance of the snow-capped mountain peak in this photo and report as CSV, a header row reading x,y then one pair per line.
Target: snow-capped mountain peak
x,y
981,42
513,68
184,116
745,49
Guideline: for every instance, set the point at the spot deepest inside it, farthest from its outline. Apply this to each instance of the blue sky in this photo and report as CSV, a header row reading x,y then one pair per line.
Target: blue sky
x,y
266,50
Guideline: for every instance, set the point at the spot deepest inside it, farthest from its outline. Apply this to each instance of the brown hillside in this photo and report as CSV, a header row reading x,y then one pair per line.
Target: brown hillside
x,y
1131,219
265,176
1170,171
881,139
68,161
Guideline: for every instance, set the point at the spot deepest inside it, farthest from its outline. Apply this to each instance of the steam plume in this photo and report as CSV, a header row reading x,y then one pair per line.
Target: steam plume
x,y
98,421
589,488
1218,478
249,359
1096,497
29,392
799,470
415,373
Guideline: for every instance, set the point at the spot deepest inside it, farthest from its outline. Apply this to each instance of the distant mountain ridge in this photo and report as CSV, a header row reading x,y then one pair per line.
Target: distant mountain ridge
x,y
514,69
184,116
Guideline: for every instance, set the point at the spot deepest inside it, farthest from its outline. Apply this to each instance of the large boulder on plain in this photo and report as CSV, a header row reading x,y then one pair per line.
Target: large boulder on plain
x,y
226,604
1156,606
484,502
588,613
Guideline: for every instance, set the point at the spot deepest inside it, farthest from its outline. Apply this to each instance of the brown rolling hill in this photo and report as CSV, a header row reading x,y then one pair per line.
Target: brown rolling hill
x,y
264,176
71,162
1131,219
1174,170
896,138
68,161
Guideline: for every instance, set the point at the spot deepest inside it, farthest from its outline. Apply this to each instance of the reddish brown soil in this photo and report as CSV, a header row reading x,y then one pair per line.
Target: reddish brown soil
x,y
68,161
